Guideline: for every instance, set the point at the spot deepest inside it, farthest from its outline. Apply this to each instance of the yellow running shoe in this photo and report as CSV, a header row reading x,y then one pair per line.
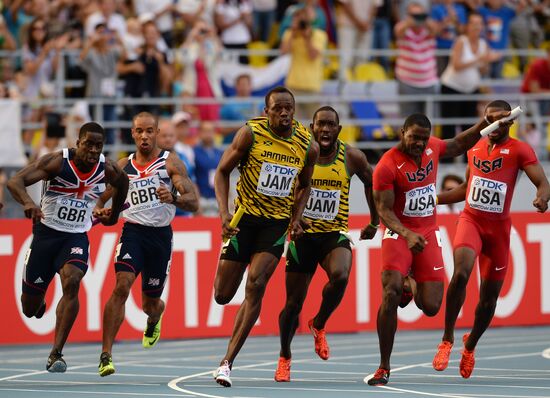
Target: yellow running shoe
x,y
106,366
151,334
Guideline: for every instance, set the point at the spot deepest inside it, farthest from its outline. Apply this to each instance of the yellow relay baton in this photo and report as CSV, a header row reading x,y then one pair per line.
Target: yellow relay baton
x,y
235,220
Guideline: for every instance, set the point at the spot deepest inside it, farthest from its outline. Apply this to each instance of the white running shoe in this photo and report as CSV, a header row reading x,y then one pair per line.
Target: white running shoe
x,y
222,374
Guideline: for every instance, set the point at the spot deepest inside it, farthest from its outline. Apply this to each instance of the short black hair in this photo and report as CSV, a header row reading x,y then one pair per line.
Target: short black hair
x,y
91,127
499,104
418,119
146,114
329,109
278,90
452,177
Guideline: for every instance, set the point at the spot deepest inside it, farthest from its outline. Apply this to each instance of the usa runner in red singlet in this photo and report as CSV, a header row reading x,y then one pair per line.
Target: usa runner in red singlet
x,y
484,230
404,191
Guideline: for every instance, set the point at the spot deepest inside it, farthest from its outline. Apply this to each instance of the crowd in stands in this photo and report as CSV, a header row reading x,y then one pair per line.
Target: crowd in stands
x,y
177,49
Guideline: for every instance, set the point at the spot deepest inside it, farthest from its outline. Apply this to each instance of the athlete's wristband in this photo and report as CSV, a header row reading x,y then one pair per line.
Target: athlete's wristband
x,y
374,226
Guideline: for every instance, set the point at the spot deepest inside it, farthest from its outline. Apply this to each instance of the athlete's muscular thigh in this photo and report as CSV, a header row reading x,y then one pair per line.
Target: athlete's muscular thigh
x,y
228,278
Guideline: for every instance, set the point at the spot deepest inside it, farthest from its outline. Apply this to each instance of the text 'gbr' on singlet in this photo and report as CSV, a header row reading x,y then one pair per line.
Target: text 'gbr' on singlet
x,y
269,171
70,197
328,206
145,207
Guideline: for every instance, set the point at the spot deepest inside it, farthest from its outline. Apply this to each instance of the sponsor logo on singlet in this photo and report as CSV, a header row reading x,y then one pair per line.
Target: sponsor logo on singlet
x,y
420,174
276,179
71,214
487,195
142,193
323,204
322,182
279,157
420,202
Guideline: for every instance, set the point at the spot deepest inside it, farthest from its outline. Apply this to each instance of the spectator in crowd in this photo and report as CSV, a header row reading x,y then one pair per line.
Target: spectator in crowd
x,y
108,16
450,182
470,57
355,22
234,22
313,13
382,31
306,45
7,42
207,157
416,68
239,111
200,55
17,14
451,17
525,29
160,11
193,11
99,59
537,81
533,136
263,18
181,123
497,18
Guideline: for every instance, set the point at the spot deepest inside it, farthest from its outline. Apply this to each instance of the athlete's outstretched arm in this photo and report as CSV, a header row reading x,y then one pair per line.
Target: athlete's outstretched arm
x,y
462,142
118,180
230,159
535,172
455,195
384,204
302,191
187,198
359,165
45,168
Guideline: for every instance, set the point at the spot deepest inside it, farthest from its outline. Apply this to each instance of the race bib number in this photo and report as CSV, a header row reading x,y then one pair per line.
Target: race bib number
x,y
487,195
72,214
276,180
323,204
142,194
420,202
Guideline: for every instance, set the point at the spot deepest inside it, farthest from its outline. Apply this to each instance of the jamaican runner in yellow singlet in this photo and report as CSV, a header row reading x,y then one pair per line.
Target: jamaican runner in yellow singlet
x,y
326,241
275,156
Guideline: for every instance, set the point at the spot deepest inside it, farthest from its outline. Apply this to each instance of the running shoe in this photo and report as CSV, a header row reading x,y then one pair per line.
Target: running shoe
x,y
151,334
282,374
40,313
56,363
106,366
468,361
380,378
321,345
441,358
222,374
406,298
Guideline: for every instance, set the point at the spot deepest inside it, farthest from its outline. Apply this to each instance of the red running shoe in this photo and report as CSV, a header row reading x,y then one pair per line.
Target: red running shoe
x,y
321,345
380,378
282,374
441,358
468,361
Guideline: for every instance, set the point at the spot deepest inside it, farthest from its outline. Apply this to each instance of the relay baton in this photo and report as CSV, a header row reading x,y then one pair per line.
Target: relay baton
x,y
493,126
235,220
96,221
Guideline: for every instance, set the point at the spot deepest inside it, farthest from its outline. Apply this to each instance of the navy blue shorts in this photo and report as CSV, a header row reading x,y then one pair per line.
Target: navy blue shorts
x,y
304,254
256,235
145,250
49,251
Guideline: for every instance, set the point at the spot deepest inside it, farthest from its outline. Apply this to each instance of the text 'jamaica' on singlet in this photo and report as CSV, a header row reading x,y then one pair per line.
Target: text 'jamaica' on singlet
x,y
269,171
328,206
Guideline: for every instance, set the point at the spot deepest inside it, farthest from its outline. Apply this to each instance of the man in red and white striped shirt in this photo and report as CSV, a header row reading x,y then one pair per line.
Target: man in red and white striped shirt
x,y
416,66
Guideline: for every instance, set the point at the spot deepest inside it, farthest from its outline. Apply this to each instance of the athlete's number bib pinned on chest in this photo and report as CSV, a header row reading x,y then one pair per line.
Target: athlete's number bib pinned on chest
x,y
72,214
487,195
323,204
142,193
420,202
276,179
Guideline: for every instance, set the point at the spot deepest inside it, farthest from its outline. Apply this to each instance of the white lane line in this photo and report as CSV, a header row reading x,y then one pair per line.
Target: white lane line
x,y
139,394
83,383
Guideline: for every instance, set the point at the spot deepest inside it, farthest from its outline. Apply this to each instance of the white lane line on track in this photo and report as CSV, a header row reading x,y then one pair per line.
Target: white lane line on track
x,y
138,394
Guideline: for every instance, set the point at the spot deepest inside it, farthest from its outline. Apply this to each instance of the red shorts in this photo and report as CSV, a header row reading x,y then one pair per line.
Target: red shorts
x,y
426,266
489,239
